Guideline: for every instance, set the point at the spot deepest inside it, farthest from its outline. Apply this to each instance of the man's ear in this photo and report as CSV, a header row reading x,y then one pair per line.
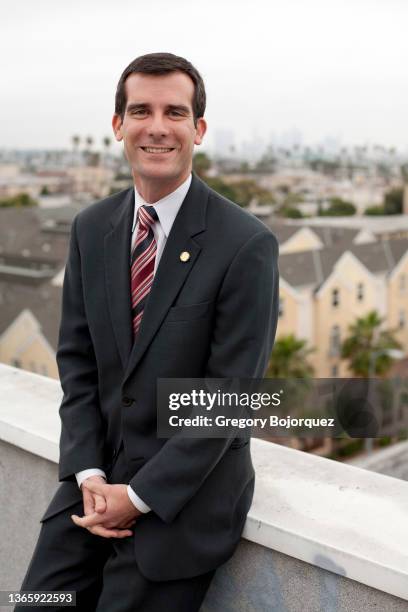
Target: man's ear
x,y
117,127
201,129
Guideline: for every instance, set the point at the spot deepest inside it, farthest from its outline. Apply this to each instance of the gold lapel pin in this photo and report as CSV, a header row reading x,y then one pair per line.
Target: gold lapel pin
x,y
184,256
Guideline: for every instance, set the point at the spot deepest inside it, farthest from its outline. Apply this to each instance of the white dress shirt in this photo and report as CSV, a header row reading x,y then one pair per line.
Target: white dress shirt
x,y
167,209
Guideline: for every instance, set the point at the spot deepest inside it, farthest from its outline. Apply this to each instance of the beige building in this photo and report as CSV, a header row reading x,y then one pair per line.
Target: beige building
x,y
294,237
95,180
323,291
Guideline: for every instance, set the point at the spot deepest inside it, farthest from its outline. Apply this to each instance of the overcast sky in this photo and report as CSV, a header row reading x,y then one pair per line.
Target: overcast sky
x,y
325,67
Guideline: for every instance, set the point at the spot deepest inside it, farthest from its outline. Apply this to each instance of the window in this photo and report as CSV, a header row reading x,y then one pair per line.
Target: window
x,y
401,319
360,292
281,307
335,341
335,370
335,297
16,363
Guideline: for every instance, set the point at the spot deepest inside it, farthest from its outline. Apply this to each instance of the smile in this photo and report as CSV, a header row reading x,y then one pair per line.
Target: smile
x,y
157,149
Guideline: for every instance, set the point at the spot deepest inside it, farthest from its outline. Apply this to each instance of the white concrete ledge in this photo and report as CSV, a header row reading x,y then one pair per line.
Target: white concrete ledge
x,y
339,517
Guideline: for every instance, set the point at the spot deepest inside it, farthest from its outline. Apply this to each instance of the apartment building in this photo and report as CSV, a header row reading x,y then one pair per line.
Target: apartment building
x,y
324,290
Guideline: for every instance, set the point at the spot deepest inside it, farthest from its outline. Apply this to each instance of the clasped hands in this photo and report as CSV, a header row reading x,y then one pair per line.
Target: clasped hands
x,y
108,511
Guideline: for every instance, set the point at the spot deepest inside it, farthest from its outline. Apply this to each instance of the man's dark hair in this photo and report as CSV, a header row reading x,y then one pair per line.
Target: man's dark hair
x,y
162,63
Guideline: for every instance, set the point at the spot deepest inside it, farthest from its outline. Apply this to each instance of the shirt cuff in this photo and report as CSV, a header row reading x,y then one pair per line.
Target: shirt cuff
x,y
84,474
137,502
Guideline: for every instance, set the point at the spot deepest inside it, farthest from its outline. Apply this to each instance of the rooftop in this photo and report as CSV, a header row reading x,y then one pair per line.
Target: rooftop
x,y
343,519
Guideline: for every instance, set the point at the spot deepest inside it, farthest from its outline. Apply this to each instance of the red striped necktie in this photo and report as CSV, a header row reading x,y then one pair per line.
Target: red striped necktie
x,y
142,264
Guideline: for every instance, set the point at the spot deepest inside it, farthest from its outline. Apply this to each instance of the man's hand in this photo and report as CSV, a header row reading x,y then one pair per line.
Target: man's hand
x,y
118,516
93,502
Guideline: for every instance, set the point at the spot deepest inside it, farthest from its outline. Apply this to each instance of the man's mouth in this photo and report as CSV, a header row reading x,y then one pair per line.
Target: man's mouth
x,y
157,149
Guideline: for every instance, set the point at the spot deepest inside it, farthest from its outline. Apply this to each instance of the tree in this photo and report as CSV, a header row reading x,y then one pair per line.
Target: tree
x,y
374,210
247,190
240,192
404,172
75,142
393,202
366,338
22,199
288,359
291,212
220,187
339,208
201,164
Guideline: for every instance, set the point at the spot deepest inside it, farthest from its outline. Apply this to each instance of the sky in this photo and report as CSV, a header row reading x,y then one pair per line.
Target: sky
x,y
326,68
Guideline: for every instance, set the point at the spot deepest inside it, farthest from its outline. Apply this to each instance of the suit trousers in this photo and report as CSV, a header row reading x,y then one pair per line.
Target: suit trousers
x,y
103,571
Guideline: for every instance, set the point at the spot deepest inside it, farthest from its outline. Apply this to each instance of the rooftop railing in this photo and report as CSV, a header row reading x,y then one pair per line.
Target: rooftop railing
x,y
320,535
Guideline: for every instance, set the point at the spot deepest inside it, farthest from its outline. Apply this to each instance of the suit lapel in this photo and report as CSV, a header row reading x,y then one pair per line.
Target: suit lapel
x,y
172,272
117,274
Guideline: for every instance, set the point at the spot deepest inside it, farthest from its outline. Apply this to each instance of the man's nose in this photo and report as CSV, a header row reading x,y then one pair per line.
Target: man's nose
x,y
158,126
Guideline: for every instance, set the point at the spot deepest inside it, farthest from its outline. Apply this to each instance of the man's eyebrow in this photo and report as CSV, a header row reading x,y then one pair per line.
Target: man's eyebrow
x,y
135,106
142,105
179,107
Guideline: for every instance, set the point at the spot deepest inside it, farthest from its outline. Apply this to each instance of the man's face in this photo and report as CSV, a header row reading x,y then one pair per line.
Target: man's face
x,y
158,127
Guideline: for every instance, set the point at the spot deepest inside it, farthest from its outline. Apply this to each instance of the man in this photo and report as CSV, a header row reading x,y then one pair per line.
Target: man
x,y
164,280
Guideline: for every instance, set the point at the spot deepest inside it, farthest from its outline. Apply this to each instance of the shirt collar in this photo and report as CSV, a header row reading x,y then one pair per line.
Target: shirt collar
x,y
166,208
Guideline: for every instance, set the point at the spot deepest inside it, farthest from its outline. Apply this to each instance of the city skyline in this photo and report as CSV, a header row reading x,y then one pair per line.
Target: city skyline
x,y
278,69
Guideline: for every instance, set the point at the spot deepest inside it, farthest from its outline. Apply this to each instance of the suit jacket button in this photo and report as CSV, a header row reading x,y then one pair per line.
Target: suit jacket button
x,y
127,401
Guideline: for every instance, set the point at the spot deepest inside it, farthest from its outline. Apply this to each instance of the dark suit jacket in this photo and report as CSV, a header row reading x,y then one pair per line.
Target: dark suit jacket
x,y
213,316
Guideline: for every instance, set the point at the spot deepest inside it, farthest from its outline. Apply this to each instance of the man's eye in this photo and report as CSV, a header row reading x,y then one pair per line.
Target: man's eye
x,y
139,111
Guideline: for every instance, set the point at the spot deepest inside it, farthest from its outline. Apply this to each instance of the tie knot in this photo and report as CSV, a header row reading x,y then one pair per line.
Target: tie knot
x,y
147,215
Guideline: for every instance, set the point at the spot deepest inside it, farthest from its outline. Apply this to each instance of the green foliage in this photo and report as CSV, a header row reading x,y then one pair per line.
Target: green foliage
x,y
338,208
288,359
247,190
266,164
288,207
20,200
364,339
404,172
291,212
328,167
348,450
201,164
374,210
240,192
386,441
220,187
393,202
124,176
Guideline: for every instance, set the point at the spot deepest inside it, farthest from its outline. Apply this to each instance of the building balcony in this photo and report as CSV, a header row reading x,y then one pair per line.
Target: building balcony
x,y
321,536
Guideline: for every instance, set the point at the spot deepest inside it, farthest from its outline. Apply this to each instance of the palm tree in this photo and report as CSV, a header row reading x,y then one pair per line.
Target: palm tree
x,y
89,142
76,140
365,338
106,141
288,359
